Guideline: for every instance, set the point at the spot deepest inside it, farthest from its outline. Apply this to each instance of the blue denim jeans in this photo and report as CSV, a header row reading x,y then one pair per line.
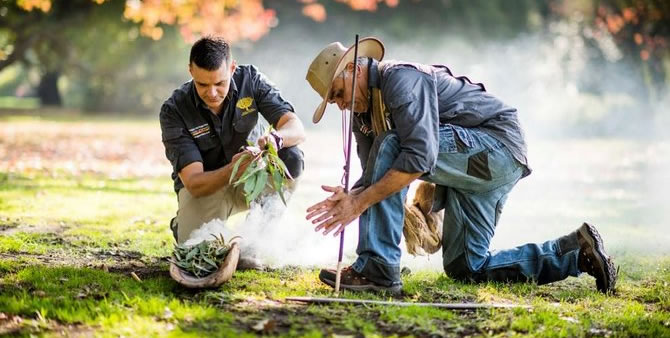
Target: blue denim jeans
x,y
474,174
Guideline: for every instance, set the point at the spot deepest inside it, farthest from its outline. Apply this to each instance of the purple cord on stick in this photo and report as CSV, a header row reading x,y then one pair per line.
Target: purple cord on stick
x,y
348,160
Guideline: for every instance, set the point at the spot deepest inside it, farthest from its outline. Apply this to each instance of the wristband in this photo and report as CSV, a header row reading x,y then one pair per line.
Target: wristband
x,y
279,141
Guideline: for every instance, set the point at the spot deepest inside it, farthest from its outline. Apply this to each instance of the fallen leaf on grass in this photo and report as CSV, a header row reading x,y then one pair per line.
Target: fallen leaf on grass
x,y
599,332
569,319
10,320
135,276
266,325
167,314
138,264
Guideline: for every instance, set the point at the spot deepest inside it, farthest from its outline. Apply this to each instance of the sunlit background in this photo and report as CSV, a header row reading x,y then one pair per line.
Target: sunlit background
x,y
588,77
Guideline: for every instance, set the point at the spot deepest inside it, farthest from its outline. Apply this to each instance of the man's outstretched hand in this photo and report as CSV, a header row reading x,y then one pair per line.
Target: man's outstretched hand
x,y
336,211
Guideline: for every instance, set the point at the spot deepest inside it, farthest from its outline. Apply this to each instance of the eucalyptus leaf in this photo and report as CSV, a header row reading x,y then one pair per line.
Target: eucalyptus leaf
x,y
236,167
210,262
249,185
183,265
272,150
261,181
266,165
202,268
281,195
250,173
192,253
201,259
277,180
283,167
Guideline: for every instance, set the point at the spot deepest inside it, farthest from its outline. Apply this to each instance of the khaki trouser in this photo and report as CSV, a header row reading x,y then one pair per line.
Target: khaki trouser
x,y
195,211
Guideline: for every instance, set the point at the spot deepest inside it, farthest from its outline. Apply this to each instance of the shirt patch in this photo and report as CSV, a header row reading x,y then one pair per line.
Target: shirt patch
x,y
244,104
199,131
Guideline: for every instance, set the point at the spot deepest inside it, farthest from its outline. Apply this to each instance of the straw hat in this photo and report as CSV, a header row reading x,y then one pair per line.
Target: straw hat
x,y
331,61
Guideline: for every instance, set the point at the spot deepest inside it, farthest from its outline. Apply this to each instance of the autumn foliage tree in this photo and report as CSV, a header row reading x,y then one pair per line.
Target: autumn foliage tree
x,y
232,19
103,39
41,33
641,30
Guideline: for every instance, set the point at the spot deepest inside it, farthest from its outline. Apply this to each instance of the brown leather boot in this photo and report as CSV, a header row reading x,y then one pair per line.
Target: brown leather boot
x,y
354,281
594,260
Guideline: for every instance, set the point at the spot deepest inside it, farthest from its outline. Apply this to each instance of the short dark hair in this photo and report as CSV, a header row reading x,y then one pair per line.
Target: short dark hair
x,y
209,52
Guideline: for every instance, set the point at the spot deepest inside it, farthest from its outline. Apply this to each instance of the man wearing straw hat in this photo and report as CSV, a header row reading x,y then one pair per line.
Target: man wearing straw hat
x,y
415,121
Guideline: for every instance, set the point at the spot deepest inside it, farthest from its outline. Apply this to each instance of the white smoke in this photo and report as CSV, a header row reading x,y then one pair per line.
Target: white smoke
x,y
617,182
272,232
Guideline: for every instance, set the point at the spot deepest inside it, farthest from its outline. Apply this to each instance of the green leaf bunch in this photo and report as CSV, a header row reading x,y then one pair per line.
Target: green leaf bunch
x,y
265,170
201,259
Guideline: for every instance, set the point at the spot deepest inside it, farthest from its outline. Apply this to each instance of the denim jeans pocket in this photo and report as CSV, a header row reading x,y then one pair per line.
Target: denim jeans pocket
x,y
478,165
454,139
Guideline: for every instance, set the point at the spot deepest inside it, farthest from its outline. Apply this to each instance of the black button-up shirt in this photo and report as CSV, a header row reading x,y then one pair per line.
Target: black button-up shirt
x,y
419,99
193,133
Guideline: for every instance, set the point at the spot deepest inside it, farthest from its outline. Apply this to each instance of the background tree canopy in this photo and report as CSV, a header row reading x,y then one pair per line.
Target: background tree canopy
x,y
126,56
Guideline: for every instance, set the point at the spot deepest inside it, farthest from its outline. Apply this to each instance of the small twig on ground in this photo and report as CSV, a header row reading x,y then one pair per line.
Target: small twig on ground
x,y
135,276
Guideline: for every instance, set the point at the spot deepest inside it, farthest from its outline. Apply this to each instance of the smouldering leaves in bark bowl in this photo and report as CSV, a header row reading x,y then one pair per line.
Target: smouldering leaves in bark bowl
x,y
202,259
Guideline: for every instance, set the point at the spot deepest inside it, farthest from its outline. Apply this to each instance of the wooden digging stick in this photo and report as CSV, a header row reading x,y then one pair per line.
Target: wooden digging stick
x,y
450,306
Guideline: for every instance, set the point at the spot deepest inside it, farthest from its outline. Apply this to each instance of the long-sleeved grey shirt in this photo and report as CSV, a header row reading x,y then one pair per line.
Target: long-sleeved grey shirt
x,y
419,99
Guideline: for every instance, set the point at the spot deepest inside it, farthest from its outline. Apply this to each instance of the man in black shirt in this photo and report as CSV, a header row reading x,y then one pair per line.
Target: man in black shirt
x,y
205,124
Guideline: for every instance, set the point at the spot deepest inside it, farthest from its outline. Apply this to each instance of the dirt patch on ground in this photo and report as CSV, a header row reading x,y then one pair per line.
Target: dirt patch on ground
x,y
116,261
23,326
261,316
278,319
8,228
5,227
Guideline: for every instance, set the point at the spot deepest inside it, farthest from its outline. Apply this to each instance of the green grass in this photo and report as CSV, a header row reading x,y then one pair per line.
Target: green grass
x,y
12,102
113,213
68,244
71,291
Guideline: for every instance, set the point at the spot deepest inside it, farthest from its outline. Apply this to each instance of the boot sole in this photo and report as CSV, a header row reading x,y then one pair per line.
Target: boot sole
x,y
606,266
393,290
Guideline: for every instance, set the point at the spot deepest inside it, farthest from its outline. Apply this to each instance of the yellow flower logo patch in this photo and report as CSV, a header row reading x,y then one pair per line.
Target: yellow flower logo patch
x,y
244,104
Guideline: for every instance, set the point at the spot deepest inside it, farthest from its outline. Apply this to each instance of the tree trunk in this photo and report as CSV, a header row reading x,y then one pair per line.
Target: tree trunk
x,y
48,89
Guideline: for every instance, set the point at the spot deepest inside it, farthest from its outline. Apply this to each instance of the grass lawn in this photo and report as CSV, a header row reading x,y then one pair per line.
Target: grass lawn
x,y
85,203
